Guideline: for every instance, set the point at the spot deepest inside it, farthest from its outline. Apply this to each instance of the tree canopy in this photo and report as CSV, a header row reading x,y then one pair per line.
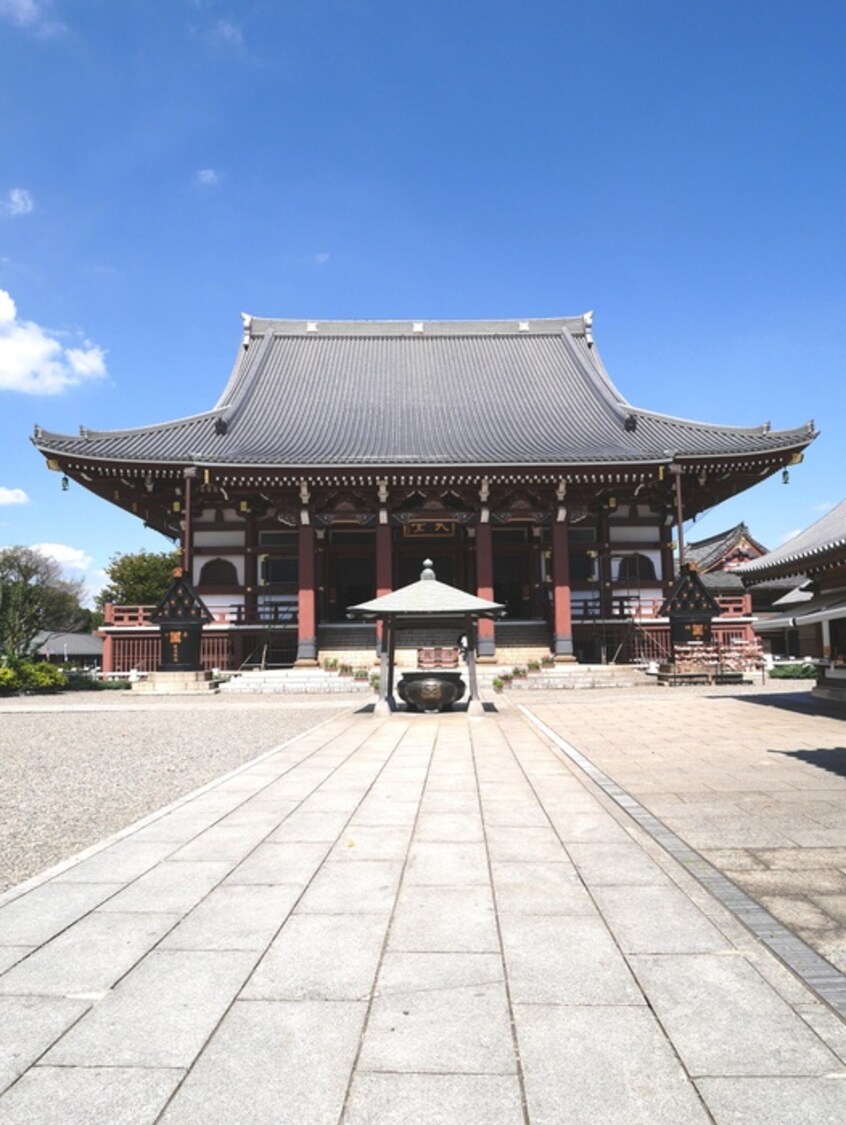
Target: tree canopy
x,y
35,597
139,578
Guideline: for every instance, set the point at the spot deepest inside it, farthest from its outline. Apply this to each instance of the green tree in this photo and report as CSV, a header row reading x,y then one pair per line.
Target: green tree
x,y
140,578
34,597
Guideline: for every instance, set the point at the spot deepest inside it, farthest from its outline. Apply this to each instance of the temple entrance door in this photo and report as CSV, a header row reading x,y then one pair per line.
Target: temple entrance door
x,y
448,555
511,561
510,585
410,564
350,571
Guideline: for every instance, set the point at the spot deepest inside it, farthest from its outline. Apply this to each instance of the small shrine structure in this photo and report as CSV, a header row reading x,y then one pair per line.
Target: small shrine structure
x,y
417,608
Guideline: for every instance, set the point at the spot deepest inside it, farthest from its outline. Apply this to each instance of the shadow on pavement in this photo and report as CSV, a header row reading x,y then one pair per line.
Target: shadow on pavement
x,y
457,708
832,758
801,702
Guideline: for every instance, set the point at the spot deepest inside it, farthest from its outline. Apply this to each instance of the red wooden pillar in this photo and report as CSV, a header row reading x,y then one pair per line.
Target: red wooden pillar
x,y
187,529
306,615
251,571
384,570
606,607
562,620
668,577
108,653
486,643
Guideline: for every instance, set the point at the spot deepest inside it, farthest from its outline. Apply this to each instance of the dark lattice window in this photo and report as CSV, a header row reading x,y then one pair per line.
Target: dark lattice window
x,y
637,567
219,572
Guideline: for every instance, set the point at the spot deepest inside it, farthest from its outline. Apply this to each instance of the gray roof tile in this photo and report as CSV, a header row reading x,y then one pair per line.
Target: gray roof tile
x,y
826,536
453,393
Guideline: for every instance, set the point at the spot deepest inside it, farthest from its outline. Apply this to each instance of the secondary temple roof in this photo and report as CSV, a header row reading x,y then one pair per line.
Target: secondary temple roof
x,y
811,548
728,547
307,394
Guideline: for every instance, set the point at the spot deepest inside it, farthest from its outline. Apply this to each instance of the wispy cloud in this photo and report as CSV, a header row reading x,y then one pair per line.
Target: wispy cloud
x,y
222,35
68,558
207,177
33,360
227,34
35,16
306,261
18,201
823,507
12,496
789,535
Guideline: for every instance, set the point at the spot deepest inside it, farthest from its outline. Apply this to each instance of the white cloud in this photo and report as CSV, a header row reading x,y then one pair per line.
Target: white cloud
x,y
12,496
207,177
321,259
789,535
34,361
31,15
18,201
824,506
69,558
228,33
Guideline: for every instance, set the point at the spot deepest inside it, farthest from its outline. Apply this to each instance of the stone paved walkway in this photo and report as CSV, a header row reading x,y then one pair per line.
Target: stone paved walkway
x,y
418,920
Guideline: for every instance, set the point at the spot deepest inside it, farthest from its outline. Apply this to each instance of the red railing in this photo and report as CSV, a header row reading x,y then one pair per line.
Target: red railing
x,y
143,654
646,608
273,613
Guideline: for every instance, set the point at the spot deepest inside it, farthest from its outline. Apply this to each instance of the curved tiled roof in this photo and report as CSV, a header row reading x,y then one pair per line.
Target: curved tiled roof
x,y
708,553
397,393
825,537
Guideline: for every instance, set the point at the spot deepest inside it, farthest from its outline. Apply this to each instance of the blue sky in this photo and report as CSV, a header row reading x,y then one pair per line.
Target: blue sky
x,y
676,166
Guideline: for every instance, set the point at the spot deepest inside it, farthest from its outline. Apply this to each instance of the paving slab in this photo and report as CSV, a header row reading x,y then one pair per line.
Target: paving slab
x,y
439,1013
629,1074
273,1062
235,916
88,957
45,911
434,1099
28,1026
160,1014
776,1101
112,1095
321,957
447,919
724,1019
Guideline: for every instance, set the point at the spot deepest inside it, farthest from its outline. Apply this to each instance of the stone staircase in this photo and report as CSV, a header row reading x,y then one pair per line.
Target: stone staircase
x,y
294,681
570,677
314,681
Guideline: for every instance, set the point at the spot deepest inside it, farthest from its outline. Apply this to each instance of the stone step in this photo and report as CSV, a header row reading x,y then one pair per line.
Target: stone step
x,y
176,683
294,681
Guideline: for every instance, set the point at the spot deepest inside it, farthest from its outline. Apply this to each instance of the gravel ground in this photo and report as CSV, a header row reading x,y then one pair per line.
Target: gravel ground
x,y
76,768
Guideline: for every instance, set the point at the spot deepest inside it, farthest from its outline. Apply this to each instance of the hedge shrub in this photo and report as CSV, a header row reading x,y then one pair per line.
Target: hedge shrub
x,y
793,672
22,675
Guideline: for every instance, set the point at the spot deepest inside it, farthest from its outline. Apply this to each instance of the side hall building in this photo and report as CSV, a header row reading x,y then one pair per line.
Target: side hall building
x,y
342,453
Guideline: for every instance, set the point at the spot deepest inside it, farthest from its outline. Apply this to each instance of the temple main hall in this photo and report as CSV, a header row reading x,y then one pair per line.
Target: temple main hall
x,y
341,454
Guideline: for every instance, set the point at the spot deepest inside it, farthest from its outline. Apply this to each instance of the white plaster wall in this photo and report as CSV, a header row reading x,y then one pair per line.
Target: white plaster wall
x,y
234,538
635,534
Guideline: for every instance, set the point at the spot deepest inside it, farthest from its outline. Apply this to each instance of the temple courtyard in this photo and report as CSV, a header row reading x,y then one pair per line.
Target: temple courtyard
x,y
608,906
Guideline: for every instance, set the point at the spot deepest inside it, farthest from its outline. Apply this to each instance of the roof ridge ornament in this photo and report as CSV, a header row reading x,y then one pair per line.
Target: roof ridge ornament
x,y
247,321
588,319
